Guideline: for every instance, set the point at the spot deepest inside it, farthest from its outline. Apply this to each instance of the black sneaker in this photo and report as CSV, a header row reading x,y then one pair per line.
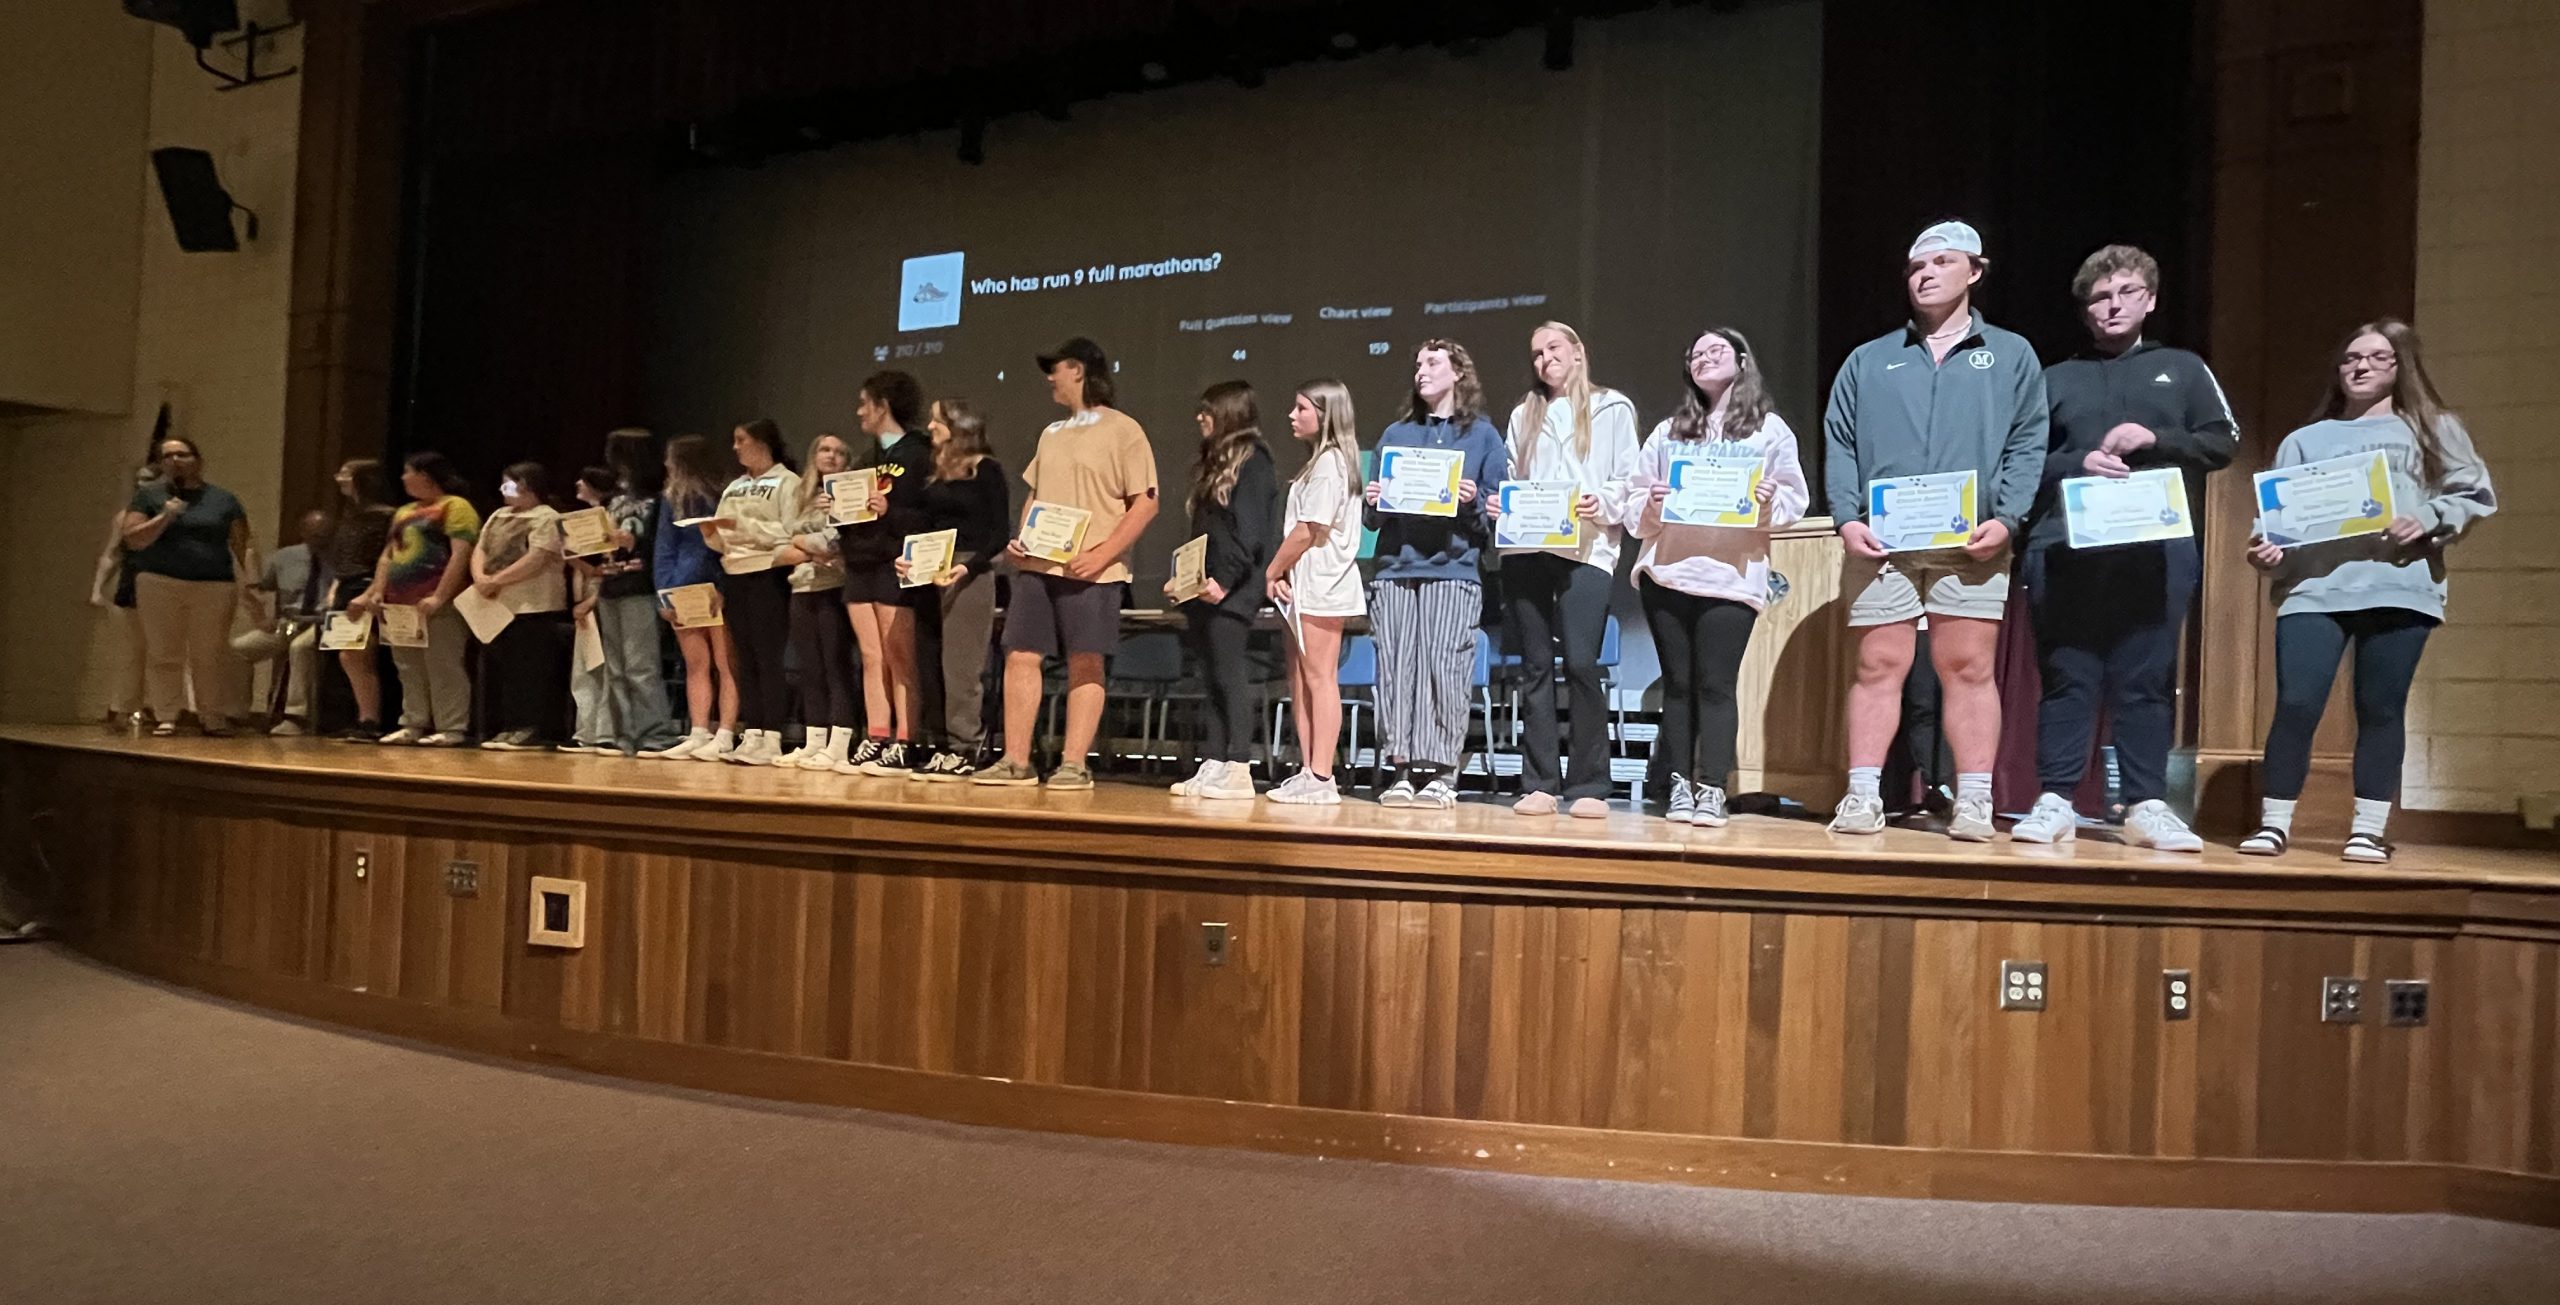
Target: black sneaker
x,y
516,741
944,767
864,753
364,731
889,761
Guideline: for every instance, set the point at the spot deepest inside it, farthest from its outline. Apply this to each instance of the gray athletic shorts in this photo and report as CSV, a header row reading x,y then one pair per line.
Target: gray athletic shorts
x,y
1906,586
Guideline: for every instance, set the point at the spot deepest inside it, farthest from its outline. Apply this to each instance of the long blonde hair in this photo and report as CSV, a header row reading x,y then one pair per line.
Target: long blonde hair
x,y
1578,389
958,456
1338,433
2413,394
814,481
1235,432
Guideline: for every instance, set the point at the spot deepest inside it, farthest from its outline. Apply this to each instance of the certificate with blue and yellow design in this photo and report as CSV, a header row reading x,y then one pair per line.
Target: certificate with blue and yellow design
x,y
2334,498
1419,482
2140,508
1538,514
1916,514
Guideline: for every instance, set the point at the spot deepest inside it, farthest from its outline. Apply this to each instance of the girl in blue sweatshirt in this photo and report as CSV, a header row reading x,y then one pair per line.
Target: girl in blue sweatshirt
x,y
2380,594
682,557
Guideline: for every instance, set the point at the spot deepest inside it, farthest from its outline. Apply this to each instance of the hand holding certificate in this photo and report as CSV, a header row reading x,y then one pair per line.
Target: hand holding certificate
x,y
487,617
1538,514
2132,509
1912,514
1190,570
849,496
1419,482
927,557
346,631
1054,532
693,607
403,626
1714,491
587,533
2334,498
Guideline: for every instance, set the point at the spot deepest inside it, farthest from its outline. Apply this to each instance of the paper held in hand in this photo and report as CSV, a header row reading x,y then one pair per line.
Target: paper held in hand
x,y
1054,532
849,496
2334,498
587,532
693,607
1714,491
403,626
1419,482
1912,514
1190,570
588,643
927,556
487,617
1538,514
346,631
2140,508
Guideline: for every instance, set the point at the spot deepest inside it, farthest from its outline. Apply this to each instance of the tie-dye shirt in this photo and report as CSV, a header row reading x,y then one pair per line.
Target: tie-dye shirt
x,y
422,540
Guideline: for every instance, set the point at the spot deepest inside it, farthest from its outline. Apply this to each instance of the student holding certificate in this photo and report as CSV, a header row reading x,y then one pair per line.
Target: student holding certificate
x,y
956,610
1233,492
1946,410
1703,586
524,669
899,456
356,540
426,562
189,545
1566,431
753,522
1315,575
682,558
2107,618
1095,461
821,632
631,709
1426,605
2377,593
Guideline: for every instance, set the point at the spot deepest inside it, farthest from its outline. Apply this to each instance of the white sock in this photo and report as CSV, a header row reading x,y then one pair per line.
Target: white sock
x,y
2371,815
1866,781
699,734
2276,814
1973,784
724,740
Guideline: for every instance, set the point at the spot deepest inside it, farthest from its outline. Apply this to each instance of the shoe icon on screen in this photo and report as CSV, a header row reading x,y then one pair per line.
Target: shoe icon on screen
x,y
929,291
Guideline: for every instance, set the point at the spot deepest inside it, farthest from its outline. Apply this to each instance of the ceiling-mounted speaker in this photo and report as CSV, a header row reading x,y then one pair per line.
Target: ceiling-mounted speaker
x,y
199,20
199,208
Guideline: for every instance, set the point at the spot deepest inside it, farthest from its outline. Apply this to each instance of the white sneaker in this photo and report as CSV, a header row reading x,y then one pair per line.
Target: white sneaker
x,y
444,739
2153,824
1682,807
1234,783
1709,812
400,738
1971,822
680,750
758,748
1304,789
718,749
794,757
288,728
1195,783
2050,820
1436,795
1858,813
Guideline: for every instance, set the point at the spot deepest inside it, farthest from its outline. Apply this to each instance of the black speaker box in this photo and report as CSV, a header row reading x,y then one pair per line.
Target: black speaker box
x,y
200,20
199,208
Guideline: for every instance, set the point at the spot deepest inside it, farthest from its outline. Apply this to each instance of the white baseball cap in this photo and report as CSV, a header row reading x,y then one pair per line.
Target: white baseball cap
x,y
1958,236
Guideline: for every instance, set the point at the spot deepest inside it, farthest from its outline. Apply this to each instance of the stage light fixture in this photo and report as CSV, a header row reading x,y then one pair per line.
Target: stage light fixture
x,y
1154,73
1559,55
1344,45
973,140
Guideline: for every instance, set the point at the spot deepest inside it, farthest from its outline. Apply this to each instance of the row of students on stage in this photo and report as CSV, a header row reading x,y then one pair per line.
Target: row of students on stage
x,y
1945,393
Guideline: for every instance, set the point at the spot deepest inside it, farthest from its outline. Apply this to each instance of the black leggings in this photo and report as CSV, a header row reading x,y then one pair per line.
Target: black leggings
x,y
822,653
1700,642
524,677
756,606
1554,604
2387,641
1217,640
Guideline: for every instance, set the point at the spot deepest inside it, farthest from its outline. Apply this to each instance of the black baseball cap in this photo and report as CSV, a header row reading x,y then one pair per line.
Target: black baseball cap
x,y
1080,350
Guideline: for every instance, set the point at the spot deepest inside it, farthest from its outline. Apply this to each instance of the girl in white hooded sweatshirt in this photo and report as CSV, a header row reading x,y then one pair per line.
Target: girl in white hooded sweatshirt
x,y
1566,430
1703,586
756,516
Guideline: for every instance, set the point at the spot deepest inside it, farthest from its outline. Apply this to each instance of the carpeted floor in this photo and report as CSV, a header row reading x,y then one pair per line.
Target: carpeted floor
x,y
158,1146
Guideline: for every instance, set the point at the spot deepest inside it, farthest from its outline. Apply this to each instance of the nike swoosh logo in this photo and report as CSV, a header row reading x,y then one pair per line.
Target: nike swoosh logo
x,y
1891,366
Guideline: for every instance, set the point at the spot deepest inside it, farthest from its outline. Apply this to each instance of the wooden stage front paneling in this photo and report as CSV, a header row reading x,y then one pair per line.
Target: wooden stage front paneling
x,y
1762,1006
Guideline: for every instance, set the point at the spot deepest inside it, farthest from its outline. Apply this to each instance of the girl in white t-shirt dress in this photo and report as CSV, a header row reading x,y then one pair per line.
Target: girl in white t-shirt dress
x,y
1317,573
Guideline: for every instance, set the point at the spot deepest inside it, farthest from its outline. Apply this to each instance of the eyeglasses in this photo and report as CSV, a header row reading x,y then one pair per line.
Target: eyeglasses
x,y
2378,358
1712,353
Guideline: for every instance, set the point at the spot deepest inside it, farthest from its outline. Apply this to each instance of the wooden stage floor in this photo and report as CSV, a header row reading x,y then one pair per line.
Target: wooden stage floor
x,y
1610,849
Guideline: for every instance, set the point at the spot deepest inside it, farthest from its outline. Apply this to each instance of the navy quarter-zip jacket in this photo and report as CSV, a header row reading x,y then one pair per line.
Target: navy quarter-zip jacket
x,y
2170,391
1895,411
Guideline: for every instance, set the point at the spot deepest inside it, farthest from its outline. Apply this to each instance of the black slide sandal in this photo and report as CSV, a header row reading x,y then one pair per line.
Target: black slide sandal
x,y
2268,841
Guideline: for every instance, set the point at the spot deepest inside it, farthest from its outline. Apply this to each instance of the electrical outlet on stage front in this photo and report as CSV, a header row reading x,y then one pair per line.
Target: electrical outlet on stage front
x,y
2341,1000
2022,985
2177,995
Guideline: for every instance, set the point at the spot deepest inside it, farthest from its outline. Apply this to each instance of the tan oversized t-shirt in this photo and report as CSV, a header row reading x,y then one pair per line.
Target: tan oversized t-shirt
x,y
1097,461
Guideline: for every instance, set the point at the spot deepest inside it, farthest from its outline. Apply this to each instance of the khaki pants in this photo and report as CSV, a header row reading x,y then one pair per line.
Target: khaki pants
x,y
435,691
302,673
186,634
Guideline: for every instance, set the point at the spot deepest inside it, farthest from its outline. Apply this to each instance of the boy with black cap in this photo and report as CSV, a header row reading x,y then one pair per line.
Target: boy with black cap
x,y
1944,393
1097,459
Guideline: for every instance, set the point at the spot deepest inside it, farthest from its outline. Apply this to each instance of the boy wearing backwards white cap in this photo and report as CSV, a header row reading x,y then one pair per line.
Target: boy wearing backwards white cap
x,y
1946,392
